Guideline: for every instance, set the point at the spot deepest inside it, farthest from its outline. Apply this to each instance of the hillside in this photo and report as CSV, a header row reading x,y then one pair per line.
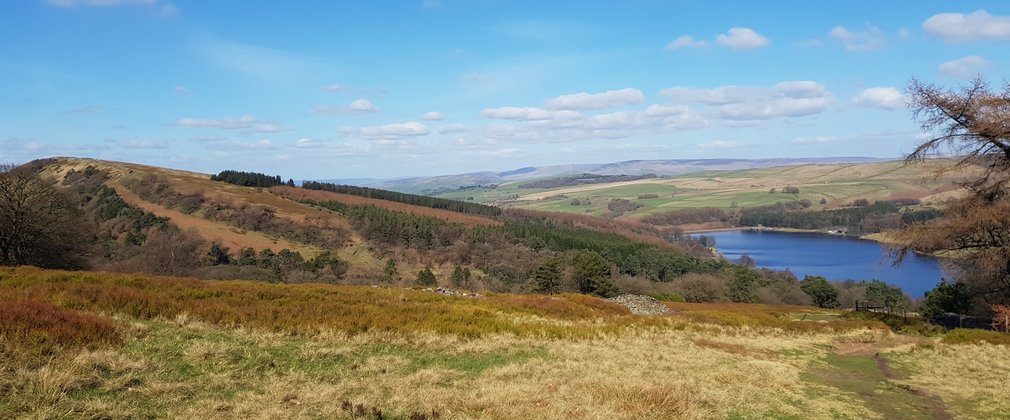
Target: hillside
x,y
662,167
141,216
143,346
837,184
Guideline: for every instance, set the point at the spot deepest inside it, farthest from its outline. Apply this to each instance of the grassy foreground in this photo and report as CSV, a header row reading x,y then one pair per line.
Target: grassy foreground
x,y
91,345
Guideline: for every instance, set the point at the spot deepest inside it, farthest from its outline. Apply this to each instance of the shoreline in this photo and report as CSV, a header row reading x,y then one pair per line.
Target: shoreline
x,y
878,238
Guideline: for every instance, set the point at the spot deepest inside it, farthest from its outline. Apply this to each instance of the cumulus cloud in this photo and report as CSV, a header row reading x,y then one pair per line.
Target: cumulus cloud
x,y
362,105
528,114
881,97
304,143
608,99
392,131
975,26
666,110
685,41
965,68
743,103
182,90
872,38
742,39
359,106
433,116
245,122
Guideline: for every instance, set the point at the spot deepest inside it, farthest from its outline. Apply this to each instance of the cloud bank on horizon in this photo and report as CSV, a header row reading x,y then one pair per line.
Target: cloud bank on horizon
x,y
336,90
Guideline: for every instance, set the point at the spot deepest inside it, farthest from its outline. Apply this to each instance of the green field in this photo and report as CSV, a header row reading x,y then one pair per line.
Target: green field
x,y
837,185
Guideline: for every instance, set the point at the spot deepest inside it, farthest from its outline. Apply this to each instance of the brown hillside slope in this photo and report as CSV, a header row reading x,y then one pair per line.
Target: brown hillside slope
x,y
363,262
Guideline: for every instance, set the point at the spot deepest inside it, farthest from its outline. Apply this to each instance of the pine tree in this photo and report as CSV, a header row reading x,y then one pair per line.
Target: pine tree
x,y
548,277
426,278
390,269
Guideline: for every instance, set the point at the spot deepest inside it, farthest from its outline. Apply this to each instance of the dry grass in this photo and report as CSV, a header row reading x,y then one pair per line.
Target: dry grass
x,y
971,379
250,350
32,330
309,309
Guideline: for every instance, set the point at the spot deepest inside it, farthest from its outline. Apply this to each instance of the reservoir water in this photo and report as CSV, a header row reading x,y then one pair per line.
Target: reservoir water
x,y
831,256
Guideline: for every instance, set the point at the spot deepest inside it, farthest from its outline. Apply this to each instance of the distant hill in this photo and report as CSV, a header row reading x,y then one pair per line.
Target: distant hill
x,y
433,185
619,192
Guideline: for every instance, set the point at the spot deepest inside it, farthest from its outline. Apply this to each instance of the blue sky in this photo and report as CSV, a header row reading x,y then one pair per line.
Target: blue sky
x,y
389,89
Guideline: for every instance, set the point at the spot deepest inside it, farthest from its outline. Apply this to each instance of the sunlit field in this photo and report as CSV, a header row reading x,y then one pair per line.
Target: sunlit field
x,y
107,345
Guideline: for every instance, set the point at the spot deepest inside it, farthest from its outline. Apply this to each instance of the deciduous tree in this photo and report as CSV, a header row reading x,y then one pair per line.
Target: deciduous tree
x,y
971,122
39,224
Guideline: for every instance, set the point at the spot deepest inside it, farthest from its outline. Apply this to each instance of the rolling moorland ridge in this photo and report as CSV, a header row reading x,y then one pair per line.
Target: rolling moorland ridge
x,y
122,344
454,210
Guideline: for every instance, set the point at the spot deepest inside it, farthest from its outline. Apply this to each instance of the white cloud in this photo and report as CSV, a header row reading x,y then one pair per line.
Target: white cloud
x,y
527,114
359,106
685,41
742,39
742,103
392,131
965,68
666,110
453,128
245,122
208,139
305,143
362,105
975,26
182,90
720,145
431,4
433,116
608,99
881,97
146,144
858,41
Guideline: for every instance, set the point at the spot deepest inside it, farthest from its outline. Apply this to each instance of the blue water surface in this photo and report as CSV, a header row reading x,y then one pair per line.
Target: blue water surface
x,y
832,256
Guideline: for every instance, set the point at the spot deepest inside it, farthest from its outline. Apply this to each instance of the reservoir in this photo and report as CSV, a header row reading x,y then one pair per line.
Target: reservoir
x,y
834,257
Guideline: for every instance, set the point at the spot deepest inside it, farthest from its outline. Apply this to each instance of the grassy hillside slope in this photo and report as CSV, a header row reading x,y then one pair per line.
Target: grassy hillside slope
x,y
837,184
86,345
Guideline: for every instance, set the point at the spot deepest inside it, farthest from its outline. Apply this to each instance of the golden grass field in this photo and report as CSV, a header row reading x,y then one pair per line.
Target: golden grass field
x,y
837,184
145,346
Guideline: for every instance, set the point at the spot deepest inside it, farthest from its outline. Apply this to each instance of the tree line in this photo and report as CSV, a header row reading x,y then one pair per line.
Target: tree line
x,y
250,179
412,199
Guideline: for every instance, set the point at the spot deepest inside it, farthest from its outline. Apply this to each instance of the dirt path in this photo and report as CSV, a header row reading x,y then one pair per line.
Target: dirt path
x,y
861,371
936,407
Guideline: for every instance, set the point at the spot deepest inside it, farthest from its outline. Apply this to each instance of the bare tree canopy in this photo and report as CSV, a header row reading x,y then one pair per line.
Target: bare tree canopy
x,y
972,124
38,224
